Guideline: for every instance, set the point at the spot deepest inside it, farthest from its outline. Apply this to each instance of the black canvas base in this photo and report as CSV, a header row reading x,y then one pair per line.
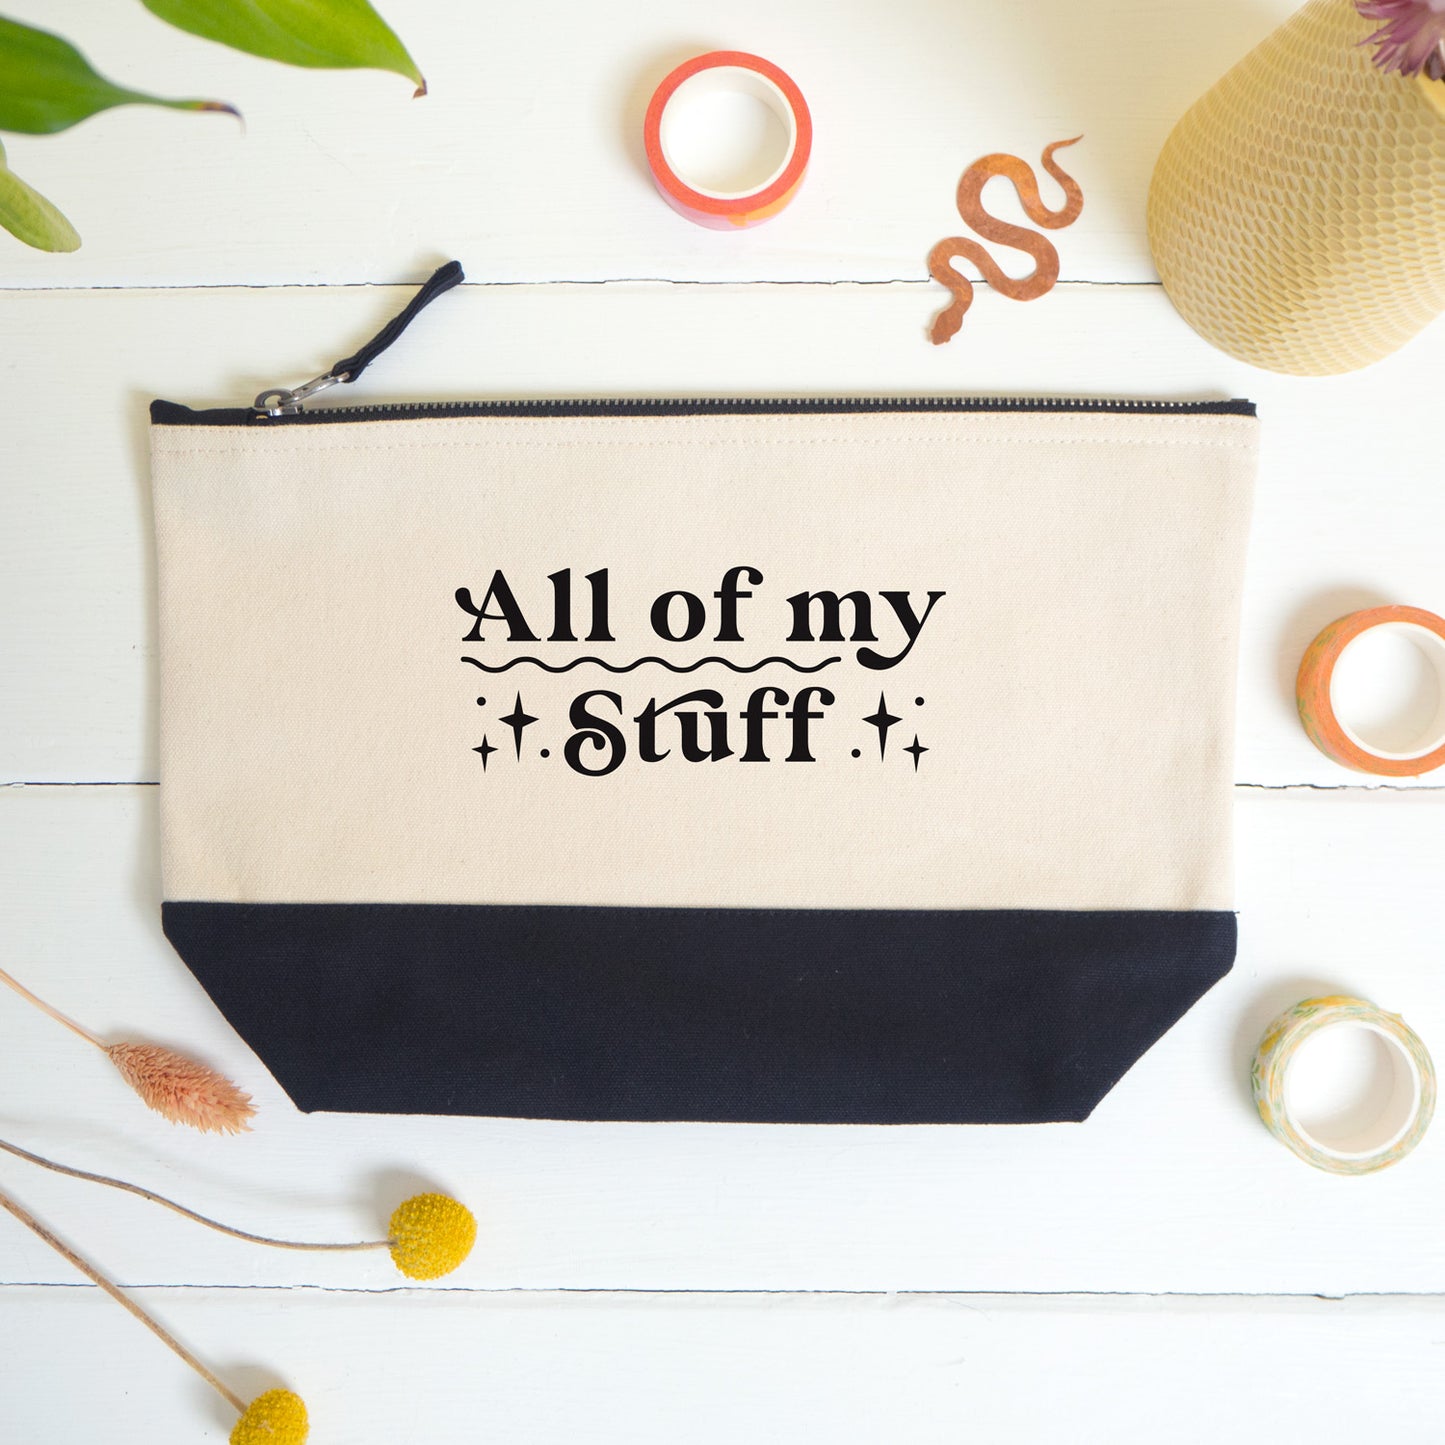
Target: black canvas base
x,y
741,1015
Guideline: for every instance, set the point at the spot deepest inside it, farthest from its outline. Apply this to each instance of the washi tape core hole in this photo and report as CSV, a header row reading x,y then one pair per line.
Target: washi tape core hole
x,y
1387,691
728,132
1352,1090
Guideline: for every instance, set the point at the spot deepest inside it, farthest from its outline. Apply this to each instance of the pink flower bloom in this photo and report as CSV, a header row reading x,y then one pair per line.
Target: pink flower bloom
x,y
1412,38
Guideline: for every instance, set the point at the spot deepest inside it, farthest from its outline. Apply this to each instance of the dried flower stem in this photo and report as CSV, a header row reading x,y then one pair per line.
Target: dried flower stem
x,y
160,1199
54,1013
93,1274
174,1085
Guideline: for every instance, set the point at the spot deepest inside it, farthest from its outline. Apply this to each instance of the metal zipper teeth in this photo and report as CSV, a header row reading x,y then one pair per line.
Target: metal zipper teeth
x,y
725,406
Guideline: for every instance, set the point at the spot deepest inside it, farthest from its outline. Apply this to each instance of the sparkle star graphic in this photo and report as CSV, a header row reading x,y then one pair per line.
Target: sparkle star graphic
x,y
882,720
519,722
486,750
917,750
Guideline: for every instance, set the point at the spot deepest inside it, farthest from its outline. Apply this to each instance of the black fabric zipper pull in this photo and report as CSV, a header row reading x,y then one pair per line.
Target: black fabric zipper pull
x,y
284,401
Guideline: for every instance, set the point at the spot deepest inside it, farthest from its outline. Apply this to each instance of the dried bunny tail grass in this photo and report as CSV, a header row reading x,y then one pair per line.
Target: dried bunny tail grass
x,y
184,1091
10,981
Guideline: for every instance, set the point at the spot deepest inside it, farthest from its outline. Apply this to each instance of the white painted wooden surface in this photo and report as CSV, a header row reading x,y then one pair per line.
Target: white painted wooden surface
x,y
718,1369
527,154
524,162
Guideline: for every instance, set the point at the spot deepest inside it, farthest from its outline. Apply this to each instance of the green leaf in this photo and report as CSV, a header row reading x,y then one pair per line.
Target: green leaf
x,y
29,217
47,85
322,34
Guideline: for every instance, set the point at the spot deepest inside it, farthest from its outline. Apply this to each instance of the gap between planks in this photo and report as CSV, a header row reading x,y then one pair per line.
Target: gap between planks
x,y
539,282
1401,788
1201,1297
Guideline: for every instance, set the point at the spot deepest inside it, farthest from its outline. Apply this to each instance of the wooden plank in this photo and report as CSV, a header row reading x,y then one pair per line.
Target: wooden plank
x,y
432,1365
1173,1185
1348,511
526,156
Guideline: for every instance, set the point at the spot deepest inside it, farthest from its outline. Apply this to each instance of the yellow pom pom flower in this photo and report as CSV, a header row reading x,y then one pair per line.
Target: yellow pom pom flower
x,y
276,1418
431,1235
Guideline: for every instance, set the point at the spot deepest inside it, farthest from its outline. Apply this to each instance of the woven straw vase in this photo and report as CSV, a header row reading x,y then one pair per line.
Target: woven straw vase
x,y
1297,213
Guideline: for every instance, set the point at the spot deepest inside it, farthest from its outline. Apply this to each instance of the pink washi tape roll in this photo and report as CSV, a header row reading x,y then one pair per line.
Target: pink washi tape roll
x,y
1315,693
703,77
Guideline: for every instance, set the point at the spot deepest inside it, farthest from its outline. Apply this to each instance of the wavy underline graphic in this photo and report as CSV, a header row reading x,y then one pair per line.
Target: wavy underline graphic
x,y
660,661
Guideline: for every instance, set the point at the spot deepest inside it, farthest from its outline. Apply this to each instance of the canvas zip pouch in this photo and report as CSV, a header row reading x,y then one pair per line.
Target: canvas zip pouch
x,y
831,761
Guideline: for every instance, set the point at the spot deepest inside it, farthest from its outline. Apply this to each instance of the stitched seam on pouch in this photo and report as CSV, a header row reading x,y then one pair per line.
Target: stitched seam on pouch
x,y
766,911
496,444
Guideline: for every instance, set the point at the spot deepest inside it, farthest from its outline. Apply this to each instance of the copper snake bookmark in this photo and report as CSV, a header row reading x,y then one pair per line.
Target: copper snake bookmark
x,y
970,207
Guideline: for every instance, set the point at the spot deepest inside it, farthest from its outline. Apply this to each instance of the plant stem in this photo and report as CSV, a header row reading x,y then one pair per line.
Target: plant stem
x,y
54,1013
93,1274
160,1199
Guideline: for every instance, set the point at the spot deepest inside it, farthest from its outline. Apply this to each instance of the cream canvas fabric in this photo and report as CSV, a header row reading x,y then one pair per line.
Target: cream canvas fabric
x,y
1076,670
964,665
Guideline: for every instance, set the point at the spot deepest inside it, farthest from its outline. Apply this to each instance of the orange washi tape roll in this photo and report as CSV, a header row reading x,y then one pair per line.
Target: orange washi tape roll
x,y
708,75
1314,692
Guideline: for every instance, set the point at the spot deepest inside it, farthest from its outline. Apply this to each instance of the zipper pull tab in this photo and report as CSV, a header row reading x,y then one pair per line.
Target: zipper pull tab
x,y
284,401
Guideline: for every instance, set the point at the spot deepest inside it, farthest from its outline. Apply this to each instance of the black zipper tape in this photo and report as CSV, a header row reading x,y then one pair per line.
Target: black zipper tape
x,y
441,280
169,413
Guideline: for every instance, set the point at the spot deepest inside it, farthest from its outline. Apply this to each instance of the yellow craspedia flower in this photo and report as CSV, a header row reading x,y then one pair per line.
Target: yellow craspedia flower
x,y
276,1418
431,1235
